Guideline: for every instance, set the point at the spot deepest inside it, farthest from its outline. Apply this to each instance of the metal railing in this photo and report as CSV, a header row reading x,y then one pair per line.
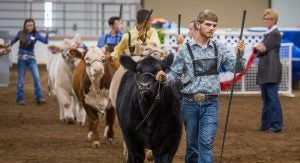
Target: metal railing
x,y
85,18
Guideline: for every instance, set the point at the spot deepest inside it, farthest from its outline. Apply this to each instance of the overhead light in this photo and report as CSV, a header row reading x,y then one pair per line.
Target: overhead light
x,y
48,14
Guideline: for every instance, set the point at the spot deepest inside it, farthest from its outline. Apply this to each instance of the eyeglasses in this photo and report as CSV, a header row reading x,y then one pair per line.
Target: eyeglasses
x,y
267,18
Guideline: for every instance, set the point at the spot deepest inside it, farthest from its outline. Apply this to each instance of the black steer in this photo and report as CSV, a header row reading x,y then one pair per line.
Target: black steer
x,y
148,111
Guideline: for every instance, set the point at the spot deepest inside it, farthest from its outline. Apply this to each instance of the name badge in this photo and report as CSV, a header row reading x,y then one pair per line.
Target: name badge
x,y
32,38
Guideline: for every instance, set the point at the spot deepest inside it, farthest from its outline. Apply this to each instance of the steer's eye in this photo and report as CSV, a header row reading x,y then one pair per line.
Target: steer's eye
x,y
103,60
88,64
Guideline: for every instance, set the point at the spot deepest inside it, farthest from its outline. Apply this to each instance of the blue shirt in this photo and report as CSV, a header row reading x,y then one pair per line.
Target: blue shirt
x,y
182,68
31,39
109,39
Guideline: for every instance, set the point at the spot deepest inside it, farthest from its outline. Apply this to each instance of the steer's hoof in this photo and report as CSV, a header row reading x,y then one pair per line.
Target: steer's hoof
x,y
69,120
96,144
80,123
111,141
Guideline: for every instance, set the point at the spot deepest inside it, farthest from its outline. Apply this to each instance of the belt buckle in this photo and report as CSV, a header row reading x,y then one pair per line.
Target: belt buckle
x,y
199,97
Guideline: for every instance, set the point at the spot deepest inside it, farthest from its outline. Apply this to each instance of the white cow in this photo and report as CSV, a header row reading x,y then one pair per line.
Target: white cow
x,y
60,69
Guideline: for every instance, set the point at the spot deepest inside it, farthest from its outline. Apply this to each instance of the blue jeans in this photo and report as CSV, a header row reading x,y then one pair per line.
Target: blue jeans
x,y
31,64
271,111
201,122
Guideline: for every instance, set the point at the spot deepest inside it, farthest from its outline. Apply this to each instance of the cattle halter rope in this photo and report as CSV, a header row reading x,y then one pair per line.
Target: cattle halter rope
x,y
89,64
232,87
157,98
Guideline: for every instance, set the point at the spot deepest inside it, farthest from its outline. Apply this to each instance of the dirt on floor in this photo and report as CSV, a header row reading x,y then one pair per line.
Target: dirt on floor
x,y
33,133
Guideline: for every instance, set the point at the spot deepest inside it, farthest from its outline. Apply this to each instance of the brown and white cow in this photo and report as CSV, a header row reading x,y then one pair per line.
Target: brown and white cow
x,y
91,82
60,68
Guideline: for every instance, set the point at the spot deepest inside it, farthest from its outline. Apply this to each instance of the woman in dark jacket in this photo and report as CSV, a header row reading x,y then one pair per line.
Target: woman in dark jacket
x,y
269,74
26,59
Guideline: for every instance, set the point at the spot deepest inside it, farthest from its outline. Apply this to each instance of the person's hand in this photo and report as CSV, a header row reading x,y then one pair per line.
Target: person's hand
x,y
240,46
8,47
103,49
161,76
141,35
260,47
179,39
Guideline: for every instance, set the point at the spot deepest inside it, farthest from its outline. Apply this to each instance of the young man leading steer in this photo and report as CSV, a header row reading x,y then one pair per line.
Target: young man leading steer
x,y
197,66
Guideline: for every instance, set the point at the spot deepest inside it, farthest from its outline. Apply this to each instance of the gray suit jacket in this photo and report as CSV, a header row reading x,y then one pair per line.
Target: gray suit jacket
x,y
269,66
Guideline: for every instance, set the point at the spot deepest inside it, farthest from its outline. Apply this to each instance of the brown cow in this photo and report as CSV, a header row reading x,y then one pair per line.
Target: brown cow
x,y
91,82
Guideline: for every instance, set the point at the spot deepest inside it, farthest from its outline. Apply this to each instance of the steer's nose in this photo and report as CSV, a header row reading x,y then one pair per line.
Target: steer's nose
x,y
144,86
98,70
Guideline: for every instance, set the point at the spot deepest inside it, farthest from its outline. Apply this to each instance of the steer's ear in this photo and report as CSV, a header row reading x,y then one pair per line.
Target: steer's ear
x,y
76,53
166,63
54,49
128,63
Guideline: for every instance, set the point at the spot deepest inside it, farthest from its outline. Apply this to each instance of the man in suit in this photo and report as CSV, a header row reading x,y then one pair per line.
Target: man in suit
x,y
269,74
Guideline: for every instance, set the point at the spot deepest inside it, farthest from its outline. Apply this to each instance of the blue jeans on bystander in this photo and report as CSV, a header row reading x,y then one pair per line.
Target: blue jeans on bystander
x,y
271,118
31,64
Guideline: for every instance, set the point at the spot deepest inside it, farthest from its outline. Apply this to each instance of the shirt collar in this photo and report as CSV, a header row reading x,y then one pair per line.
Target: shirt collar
x,y
117,34
270,30
193,42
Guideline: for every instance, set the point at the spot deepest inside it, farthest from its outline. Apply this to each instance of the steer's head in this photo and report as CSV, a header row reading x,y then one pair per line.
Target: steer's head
x,y
154,51
4,49
94,59
145,71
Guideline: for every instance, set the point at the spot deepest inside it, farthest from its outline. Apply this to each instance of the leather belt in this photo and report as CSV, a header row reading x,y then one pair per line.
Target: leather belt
x,y
26,57
200,97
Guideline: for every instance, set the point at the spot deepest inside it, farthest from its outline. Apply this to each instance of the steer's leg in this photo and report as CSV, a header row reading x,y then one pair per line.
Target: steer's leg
x,y
136,155
90,133
167,150
64,99
95,136
110,120
61,112
135,149
93,120
81,115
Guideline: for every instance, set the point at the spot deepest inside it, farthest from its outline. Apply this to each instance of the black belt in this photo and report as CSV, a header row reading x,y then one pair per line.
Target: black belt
x,y
200,97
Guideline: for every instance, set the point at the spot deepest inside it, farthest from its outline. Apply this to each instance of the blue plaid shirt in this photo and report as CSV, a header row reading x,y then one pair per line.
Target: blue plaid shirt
x,y
182,68
31,38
